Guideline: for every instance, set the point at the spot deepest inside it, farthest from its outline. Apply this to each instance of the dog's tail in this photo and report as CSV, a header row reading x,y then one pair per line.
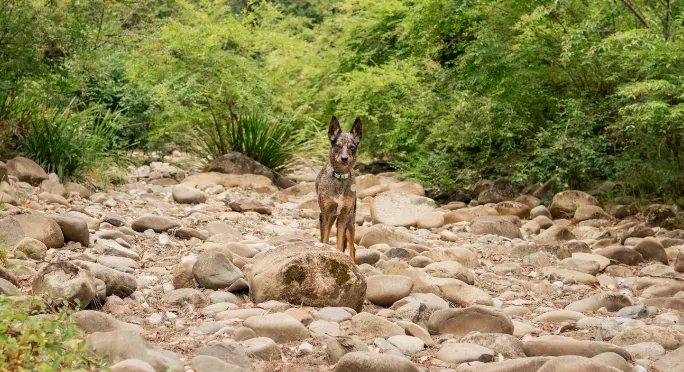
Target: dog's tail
x,y
344,243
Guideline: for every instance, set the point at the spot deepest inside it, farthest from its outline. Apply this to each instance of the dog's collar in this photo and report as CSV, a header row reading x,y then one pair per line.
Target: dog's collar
x,y
342,176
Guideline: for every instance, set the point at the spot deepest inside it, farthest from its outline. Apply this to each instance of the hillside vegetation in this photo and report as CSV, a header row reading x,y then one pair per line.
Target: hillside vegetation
x,y
449,91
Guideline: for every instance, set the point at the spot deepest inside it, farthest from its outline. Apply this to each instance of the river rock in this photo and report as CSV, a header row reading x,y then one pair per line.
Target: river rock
x,y
309,274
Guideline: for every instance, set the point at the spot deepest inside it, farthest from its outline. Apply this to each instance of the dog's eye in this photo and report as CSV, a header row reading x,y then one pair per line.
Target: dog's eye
x,y
352,148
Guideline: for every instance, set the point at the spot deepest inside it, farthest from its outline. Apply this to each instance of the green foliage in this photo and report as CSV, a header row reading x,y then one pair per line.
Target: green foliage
x,y
568,90
35,336
71,143
267,141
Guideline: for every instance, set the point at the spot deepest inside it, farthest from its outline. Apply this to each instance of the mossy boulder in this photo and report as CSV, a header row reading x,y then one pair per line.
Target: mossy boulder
x,y
306,273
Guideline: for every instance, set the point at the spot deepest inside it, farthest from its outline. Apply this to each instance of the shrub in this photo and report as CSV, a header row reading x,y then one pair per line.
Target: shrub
x,y
45,342
71,143
267,141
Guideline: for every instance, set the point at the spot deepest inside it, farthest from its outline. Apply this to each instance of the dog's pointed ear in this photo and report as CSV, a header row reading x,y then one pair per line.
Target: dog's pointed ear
x,y
334,129
357,130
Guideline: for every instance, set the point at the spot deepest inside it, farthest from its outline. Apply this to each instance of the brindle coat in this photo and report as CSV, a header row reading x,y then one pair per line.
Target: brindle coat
x,y
337,195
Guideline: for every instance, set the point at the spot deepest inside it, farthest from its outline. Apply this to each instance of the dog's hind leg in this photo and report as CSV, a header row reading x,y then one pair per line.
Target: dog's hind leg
x,y
349,240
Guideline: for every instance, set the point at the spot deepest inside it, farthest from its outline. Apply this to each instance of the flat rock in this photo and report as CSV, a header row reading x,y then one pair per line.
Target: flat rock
x,y
668,338
559,316
368,324
262,348
125,344
610,300
508,346
590,267
407,344
206,363
460,322
570,276
131,365
399,209
457,353
514,365
575,364
497,225
559,346
280,327
363,361
672,362
384,290
157,223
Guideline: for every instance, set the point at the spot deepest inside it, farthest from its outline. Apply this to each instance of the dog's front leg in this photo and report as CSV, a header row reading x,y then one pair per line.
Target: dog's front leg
x,y
326,222
342,221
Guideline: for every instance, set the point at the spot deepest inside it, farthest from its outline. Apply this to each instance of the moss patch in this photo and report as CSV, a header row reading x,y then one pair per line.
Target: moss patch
x,y
339,271
676,223
294,273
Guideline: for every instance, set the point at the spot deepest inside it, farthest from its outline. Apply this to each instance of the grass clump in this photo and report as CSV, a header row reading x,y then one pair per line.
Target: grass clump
x,y
72,143
35,336
268,141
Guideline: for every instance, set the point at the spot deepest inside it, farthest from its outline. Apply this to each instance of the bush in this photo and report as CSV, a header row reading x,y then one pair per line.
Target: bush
x,y
267,141
71,143
31,340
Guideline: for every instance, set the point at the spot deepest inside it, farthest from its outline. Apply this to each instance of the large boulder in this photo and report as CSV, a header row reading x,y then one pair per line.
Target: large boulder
x,y
65,280
237,163
400,209
128,344
74,229
309,274
117,283
507,226
10,232
40,227
26,170
499,190
565,203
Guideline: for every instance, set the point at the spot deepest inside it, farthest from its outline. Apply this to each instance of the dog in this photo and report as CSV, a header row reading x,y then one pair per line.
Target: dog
x,y
335,186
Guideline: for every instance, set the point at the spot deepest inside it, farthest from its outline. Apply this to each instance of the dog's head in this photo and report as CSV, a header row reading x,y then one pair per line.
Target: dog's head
x,y
344,146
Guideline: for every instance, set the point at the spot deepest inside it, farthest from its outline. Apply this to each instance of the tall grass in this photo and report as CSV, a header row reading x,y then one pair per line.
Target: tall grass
x,y
16,110
270,142
70,143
